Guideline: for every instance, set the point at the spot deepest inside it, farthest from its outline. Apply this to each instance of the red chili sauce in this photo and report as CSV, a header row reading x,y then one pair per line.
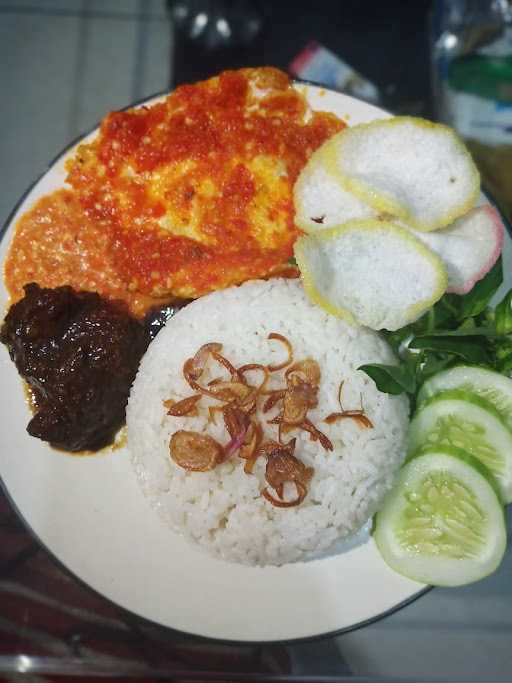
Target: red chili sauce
x,y
179,198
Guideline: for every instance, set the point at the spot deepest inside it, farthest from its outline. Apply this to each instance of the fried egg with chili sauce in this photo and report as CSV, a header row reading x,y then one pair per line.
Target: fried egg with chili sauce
x,y
196,190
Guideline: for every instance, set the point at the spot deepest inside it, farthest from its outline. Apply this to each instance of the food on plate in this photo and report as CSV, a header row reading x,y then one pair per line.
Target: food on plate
x,y
180,197
308,355
260,426
492,386
469,247
459,418
464,411
79,355
457,330
320,199
242,407
373,271
57,243
413,169
408,175
177,198
443,522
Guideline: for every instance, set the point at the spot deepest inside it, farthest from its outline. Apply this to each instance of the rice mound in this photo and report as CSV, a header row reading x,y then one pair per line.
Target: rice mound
x,y
223,510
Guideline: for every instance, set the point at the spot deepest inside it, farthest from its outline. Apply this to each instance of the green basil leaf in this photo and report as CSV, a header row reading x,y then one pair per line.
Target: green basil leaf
x,y
468,348
292,261
391,379
431,365
444,314
475,301
465,330
399,339
503,315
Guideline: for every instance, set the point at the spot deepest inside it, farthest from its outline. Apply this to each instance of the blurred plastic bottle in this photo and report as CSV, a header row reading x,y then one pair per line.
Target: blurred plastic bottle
x,y
472,81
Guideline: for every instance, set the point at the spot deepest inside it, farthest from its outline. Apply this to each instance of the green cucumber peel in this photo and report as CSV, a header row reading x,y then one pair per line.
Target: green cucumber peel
x,y
463,455
426,534
467,397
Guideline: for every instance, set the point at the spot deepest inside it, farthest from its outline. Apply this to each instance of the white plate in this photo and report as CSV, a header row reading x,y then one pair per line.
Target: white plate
x,y
91,515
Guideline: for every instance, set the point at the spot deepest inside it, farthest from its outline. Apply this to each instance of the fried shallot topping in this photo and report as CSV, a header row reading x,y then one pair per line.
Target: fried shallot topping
x,y
358,415
316,434
230,391
282,467
195,452
187,406
237,399
235,374
274,396
307,370
248,451
299,397
283,340
236,422
196,365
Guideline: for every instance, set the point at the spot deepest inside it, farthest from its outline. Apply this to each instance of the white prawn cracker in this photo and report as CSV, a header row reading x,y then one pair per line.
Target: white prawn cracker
x,y
416,170
371,271
469,247
321,200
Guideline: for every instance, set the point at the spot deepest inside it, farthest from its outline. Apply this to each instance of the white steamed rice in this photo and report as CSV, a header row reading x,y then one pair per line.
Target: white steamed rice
x,y
222,510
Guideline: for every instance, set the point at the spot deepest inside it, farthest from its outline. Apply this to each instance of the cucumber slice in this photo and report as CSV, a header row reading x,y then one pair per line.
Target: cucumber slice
x,y
443,522
487,384
464,420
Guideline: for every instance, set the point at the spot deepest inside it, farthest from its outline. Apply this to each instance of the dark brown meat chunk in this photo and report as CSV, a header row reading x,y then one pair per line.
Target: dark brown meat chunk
x,y
79,354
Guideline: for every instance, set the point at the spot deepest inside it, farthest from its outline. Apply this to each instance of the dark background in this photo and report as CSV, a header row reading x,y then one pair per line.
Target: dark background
x,y
388,42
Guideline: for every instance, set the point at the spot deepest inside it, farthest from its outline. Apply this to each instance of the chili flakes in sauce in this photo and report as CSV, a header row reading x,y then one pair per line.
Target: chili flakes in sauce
x,y
179,198
198,189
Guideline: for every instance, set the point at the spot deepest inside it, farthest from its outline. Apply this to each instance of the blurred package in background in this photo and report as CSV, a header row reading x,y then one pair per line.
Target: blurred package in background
x,y
472,82
318,64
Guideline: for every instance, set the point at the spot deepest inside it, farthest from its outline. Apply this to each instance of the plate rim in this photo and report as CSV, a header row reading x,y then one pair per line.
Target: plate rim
x,y
224,641
60,563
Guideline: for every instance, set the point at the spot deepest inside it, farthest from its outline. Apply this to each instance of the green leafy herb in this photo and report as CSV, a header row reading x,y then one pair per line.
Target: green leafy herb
x,y
457,329
467,329
432,365
503,315
469,349
391,379
479,297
